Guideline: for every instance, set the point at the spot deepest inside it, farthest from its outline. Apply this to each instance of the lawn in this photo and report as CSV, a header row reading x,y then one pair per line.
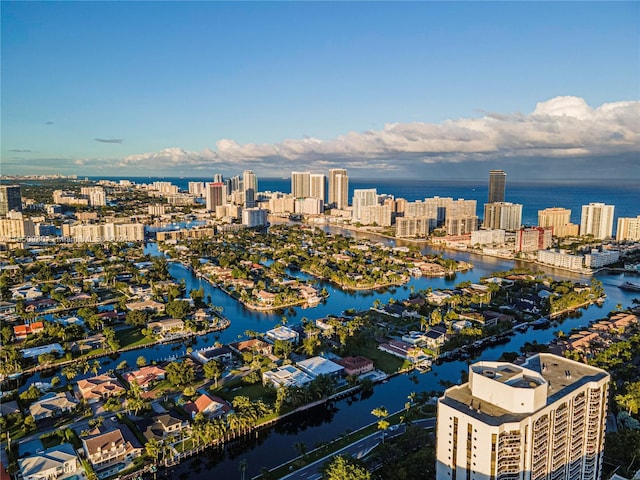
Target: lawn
x,y
382,360
254,392
131,337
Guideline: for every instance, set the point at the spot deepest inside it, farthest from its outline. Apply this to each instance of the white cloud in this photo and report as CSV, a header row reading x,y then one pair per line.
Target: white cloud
x,y
562,127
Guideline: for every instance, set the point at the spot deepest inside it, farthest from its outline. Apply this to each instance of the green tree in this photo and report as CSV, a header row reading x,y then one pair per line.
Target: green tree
x,y
630,400
381,413
178,309
137,318
344,468
141,361
213,370
180,373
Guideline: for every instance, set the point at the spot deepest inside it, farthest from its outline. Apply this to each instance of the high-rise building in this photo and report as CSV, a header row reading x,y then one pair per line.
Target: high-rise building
x,y
196,189
338,188
317,187
559,219
214,195
542,420
497,184
95,195
363,197
502,215
534,239
300,184
597,220
254,217
10,199
250,188
218,178
628,228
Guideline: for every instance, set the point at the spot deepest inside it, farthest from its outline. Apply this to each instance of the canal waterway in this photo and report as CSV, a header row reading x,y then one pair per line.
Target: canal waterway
x,y
275,445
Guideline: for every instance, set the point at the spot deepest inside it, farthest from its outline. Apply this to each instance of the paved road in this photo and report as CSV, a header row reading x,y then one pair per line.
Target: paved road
x,y
357,450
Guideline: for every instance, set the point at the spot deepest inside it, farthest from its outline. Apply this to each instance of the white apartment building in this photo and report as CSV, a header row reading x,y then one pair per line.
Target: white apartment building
x,y
376,214
95,195
157,209
363,197
317,188
166,188
338,188
559,219
16,228
254,217
542,420
309,206
502,215
196,189
249,188
300,184
597,259
561,259
597,220
461,225
107,232
411,227
280,203
487,237
532,239
628,228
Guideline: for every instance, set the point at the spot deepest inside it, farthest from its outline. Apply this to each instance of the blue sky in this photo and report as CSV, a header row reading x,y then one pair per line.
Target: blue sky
x,y
193,88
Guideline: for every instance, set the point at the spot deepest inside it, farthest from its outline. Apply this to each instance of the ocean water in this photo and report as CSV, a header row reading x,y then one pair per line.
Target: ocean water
x,y
623,194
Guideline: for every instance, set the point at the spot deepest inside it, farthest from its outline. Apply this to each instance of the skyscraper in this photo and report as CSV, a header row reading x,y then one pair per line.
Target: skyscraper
x,y
597,220
215,195
338,188
628,228
542,420
317,187
250,188
559,219
502,215
10,199
363,197
218,178
497,183
300,184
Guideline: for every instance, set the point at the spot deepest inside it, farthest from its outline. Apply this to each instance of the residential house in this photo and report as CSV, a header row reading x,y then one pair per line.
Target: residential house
x,y
316,366
161,426
55,462
9,408
283,333
147,306
356,365
35,352
22,331
52,405
255,345
286,376
166,326
39,305
109,452
435,338
209,406
145,376
219,354
99,388
403,350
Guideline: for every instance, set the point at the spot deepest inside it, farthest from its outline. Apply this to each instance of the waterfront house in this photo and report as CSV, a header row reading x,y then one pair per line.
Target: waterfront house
x,y
404,350
414,338
283,333
435,338
52,405
56,462
8,408
35,352
316,366
146,376
286,376
166,326
356,365
207,405
109,452
221,354
161,426
255,345
99,388
266,298
39,305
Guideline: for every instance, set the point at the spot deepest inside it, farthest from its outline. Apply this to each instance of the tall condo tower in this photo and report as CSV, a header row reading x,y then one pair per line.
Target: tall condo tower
x,y
218,178
338,188
497,183
10,199
542,420
597,220
363,197
215,195
300,184
317,187
250,188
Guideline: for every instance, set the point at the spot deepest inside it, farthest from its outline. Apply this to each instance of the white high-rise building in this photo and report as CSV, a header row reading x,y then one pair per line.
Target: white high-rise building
x,y
363,197
543,420
559,219
338,188
254,217
95,195
317,187
196,189
628,228
502,215
597,220
300,184
250,188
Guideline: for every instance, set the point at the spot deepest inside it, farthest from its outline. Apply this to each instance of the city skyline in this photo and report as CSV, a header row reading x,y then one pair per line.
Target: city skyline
x,y
443,90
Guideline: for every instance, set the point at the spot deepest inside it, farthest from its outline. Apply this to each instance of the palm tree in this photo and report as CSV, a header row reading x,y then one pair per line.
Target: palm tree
x,y
381,413
243,467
